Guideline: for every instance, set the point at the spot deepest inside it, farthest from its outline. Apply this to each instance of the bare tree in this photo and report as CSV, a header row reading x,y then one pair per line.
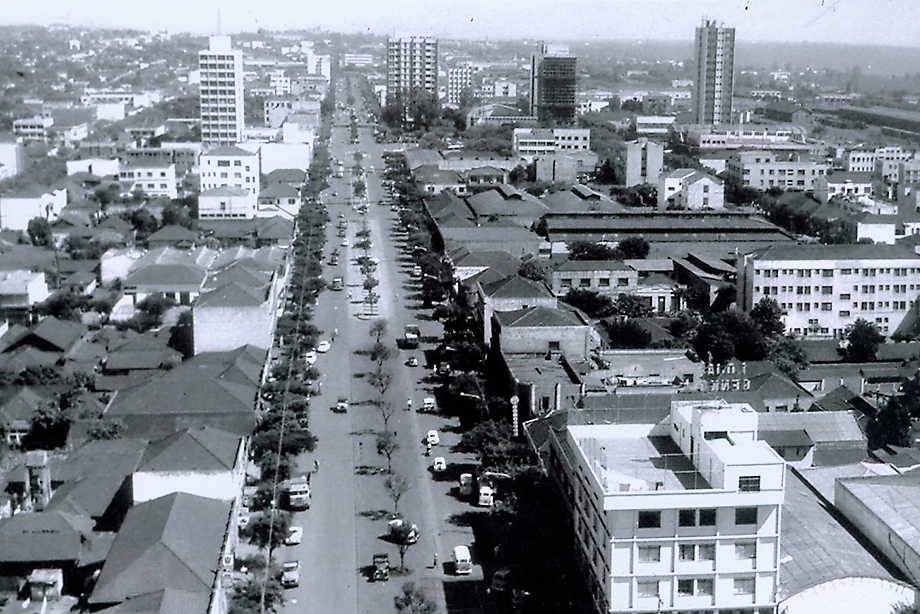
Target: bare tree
x,y
381,379
379,329
387,445
386,411
397,485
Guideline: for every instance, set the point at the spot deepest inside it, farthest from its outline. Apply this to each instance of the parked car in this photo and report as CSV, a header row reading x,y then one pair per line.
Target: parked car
x,y
381,567
432,438
295,536
323,346
439,465
412,362
341,406
290,574
310,357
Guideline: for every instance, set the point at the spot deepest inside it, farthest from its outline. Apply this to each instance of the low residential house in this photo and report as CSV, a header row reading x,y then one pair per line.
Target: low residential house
x,y
787,112
293,177
165,553
510,294
843,185
116,264
170,272
492,236
275,230
19,207
535,330
580,199
543,383
17,407
219,390
148,353
50,335
20,291
467,263
232,315
607,277
484,177
645,371
173,235
201,461
278,199
690,190
432,180
80,283
62,543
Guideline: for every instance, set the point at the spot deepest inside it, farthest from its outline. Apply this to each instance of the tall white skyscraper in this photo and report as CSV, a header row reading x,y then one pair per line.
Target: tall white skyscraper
x,y
412,63
221,93
715,65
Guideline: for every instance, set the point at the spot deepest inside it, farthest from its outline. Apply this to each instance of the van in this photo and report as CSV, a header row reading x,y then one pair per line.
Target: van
x,y
428,405
463,563
466,484
486,496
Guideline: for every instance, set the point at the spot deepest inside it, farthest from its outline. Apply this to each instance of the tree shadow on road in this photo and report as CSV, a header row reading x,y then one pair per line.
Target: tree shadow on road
x,y
369,470
364,432
374,514
466,519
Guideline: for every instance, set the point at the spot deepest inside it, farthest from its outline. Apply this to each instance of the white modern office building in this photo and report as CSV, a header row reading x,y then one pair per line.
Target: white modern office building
x,y
221,93
715,64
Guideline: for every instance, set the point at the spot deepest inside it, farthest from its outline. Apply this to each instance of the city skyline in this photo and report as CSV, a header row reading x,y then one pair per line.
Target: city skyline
x,y
818,21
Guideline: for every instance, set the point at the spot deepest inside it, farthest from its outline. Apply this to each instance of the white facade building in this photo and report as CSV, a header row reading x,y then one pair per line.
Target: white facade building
x,y
150,177
823,289
412,63
222,109
540,142
458,80
230,166
689,189
715,64
681,516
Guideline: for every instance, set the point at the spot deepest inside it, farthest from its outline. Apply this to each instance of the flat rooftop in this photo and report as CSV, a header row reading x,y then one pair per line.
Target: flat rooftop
x,y
632,463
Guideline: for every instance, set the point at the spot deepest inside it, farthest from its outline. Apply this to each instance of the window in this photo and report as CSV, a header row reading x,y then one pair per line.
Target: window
x,y
749,483
746,515
237,163
744,586
708,518
622,281
704,587
706,552
647,588
584,282
223,163
566,283
604,282
687,552
745,551
554,345
686,518
685,587
650,520
649,554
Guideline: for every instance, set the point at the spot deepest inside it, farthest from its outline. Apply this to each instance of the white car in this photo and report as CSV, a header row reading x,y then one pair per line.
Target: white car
x,y
432,438
310,357
439,465
323,347
344,242
295,535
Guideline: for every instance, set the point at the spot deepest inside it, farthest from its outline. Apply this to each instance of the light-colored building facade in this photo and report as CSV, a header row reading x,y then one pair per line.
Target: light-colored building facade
x,y
644,161
823,289
150,177
222,110
17,208
230,166
843,185
227,202
767,169
715,65
412,64
681,516
12,158
531,142
690,190
33,129
459,79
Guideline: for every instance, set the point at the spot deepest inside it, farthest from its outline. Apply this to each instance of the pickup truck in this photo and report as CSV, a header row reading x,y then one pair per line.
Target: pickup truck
x,y
411,336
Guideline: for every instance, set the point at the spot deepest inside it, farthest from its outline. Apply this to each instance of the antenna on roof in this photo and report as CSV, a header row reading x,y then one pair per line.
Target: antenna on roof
x,y
219,30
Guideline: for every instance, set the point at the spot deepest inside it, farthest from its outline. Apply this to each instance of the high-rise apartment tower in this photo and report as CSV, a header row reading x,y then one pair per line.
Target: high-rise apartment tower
x,y
412,63
552,84
221,93
715,64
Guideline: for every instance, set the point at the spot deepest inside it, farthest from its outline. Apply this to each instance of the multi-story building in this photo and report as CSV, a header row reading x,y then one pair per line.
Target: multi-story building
x,y
699,138
361,60
688,189
860,160
222,110
503,88
230,166
152,177
458,80
644,160
767,169
33,129
412,64
543,141
823,289
553,80
715,64
678,516
843,185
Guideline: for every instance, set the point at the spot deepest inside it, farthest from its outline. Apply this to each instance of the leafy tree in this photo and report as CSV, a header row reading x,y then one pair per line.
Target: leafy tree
x,y
631,306
413,600
430,140
683,326
767,316
627,334
263,523
632,248
105,428
246,596
48,428
533,270
642,195
380,353
387,446
786,353
397,485
728,334
595,305
890,425
496,448
401,535
378,330
586,250
144,223
862,341
64,305
40,233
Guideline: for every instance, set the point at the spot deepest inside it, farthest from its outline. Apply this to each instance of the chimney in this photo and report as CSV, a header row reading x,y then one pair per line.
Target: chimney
x,y
38,490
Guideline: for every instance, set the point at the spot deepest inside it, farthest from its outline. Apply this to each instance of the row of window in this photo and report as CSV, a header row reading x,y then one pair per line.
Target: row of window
x,y
845,313
897,272
688,553
651,519
827,290
585,282
700,587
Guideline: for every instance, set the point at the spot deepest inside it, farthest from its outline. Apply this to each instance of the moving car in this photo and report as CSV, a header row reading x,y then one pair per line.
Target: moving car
x,y
290,574
323,346
412,362
381,567
295,536
432,438
341,406
439,465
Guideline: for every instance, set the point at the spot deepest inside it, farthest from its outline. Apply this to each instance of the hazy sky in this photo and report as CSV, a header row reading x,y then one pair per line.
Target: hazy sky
x,y
881,22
